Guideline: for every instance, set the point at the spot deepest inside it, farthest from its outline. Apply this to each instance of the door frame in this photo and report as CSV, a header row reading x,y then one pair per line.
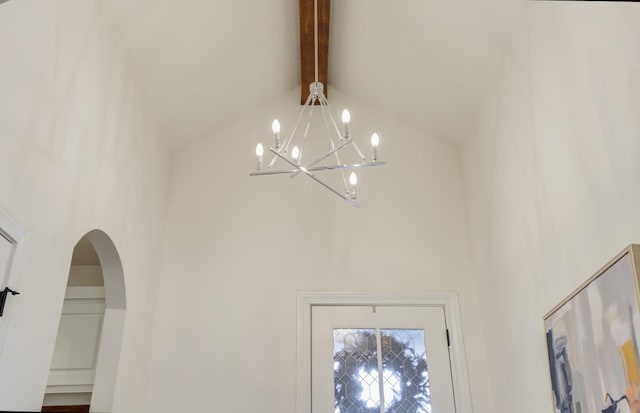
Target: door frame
x,y
447,300
13,231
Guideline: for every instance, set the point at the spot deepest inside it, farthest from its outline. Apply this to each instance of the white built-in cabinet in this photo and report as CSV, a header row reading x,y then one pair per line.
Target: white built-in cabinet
x,y
73,365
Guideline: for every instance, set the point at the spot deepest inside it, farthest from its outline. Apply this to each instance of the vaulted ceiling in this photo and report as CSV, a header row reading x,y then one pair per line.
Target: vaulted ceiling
x,y
202,62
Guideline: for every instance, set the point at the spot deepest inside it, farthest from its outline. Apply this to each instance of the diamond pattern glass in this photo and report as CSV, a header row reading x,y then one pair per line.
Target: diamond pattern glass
x,y
355,371
405,374
405,377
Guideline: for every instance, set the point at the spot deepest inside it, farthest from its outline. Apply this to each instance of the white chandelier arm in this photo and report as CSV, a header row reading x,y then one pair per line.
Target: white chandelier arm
x,y
322,158
312,176
333,150
355,145
306,129
332,114
324,105
317,168
333,117
307,107
290,137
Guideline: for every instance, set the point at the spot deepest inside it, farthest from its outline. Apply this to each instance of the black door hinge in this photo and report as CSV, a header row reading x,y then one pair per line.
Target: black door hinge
x,y
448,339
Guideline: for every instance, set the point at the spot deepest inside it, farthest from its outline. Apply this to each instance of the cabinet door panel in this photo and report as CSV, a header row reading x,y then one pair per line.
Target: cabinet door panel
x,y
76,351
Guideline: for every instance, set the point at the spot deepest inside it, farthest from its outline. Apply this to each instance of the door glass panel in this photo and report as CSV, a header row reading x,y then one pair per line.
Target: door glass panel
x,y
355,371
405,377
367,360
405,374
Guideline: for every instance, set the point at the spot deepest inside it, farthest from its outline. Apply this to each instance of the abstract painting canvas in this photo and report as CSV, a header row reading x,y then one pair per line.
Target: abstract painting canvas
x,y
592,342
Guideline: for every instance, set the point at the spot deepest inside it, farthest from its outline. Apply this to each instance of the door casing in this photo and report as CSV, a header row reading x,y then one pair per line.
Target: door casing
x,y
447,300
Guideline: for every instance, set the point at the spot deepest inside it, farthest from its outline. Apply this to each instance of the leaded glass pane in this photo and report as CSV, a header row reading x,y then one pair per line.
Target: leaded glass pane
x,y
355,371
405,375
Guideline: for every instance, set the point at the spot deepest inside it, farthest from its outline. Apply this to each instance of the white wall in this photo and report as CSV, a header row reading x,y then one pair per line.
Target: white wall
x,y
552,179
77,152
85,275
239,248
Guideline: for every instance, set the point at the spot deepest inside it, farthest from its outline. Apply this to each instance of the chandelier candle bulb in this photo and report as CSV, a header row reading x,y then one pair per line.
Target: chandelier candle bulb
x,y
353,180
295,153
259,153
375,141
346,118
275,127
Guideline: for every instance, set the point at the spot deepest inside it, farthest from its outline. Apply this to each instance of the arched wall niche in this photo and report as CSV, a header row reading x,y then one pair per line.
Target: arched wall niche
x,y
113,324
115,292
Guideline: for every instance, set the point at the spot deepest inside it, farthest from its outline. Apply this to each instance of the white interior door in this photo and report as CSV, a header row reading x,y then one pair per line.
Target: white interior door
x,y
384,358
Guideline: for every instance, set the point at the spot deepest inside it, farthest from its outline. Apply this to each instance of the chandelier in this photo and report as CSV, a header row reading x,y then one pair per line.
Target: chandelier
x,y
289,153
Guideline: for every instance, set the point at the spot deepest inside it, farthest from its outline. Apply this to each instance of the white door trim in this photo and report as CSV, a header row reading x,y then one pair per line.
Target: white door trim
x,y
15,233
11,229
448,300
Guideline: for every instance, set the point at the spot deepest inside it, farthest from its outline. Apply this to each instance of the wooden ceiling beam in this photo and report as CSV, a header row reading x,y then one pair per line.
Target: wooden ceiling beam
x,y
307,43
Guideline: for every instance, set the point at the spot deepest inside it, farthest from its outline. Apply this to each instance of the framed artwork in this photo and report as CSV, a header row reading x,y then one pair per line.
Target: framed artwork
x,y
592,342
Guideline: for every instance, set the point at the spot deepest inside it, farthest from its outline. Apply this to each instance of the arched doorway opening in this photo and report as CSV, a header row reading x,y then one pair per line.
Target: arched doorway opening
x,y
86,357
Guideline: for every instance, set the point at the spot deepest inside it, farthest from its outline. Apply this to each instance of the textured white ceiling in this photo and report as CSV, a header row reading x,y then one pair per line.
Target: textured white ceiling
x,y
204,61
